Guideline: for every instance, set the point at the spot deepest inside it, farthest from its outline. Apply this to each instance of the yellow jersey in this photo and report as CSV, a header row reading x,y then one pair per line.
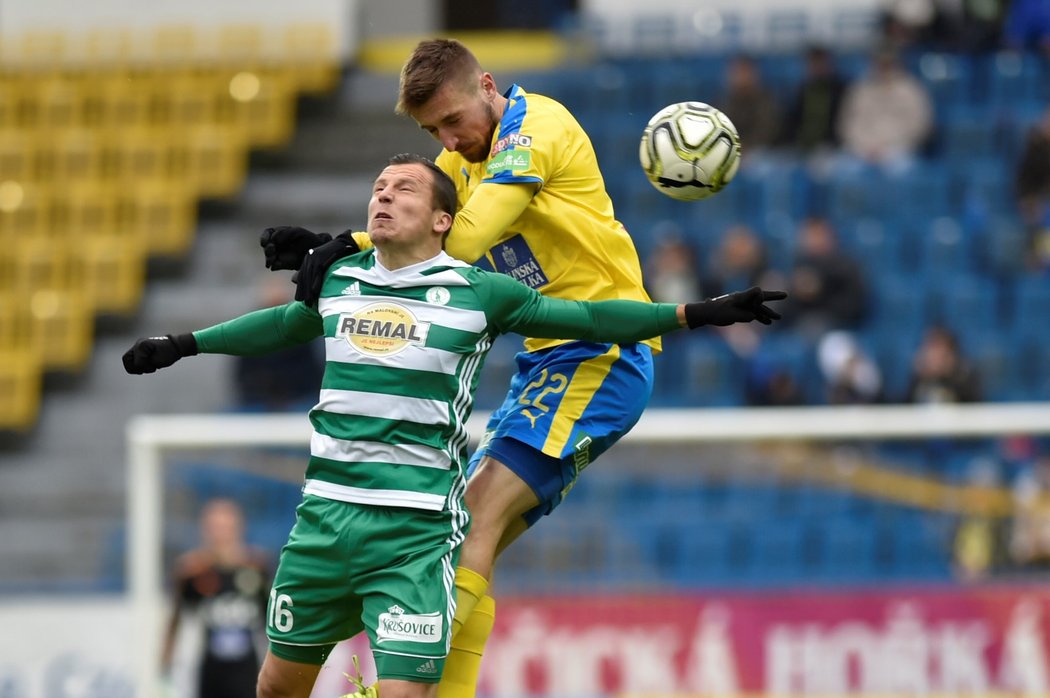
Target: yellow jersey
x,y
566,242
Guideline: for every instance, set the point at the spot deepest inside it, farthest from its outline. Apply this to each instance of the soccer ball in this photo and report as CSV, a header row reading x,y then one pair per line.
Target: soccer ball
x,y
690,150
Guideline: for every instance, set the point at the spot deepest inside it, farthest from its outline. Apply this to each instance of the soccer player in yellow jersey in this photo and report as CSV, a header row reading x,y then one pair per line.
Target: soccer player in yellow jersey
x,y
532,205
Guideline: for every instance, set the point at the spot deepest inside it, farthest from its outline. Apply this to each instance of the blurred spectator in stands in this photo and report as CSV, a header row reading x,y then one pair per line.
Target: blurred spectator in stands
x,y
851,377
671,270
968,25
886,115
979,543
750,105
284,380
1032,186
1030,535
814,110
227,584
737,263
946,25
940,372
1027,26
827,289
907,22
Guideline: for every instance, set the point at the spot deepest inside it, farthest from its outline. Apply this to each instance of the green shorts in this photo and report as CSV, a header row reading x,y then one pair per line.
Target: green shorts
x,y
351,567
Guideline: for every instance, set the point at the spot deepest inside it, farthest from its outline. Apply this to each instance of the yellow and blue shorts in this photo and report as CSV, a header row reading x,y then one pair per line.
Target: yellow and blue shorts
x,y
566,406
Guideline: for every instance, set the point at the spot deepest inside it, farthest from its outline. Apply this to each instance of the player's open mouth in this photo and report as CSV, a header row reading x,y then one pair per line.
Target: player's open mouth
x,y
385,216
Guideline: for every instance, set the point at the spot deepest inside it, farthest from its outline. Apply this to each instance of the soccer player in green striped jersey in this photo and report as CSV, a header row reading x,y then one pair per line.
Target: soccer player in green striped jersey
x,y
407,327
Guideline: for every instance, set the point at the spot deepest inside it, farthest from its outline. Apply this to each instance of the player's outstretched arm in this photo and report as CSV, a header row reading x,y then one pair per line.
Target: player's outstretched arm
x,y
742,306
517,308
258,332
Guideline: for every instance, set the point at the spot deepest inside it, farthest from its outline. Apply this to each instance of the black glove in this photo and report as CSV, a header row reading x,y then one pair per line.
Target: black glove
x,y
742,306
312,272
147,355
285,246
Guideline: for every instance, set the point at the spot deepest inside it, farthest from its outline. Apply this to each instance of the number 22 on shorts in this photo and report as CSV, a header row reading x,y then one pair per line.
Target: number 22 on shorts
x,y
555,385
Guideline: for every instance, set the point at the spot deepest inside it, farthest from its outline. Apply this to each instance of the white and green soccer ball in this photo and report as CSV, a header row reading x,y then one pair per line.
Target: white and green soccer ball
x,y
690,150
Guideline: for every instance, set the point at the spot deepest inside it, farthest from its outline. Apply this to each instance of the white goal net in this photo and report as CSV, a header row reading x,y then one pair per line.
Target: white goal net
x,y
714,551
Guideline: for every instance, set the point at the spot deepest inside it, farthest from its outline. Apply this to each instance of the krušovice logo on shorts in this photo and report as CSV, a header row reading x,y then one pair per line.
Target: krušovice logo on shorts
x,y
382,329
409,627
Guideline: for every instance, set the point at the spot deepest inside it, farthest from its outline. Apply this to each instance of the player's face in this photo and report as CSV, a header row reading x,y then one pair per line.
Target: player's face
x,y
401,210
461,118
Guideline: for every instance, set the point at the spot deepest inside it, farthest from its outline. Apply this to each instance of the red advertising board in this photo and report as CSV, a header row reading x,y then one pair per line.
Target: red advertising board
x,y
891,641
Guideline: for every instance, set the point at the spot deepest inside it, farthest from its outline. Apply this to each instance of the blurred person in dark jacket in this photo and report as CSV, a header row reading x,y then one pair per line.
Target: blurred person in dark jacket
x,y
828,287
227,584
750,105
940,372
814,110
1032,187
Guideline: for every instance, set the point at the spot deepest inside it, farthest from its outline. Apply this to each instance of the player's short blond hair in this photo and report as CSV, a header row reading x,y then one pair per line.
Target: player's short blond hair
x,y
434,63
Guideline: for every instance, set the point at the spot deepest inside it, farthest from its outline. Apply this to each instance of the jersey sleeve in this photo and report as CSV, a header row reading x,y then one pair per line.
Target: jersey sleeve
x,y
513,307
491,210
262,331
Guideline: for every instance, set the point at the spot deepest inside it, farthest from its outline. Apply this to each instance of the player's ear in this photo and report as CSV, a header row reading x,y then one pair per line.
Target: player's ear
x,y
488,83
442,221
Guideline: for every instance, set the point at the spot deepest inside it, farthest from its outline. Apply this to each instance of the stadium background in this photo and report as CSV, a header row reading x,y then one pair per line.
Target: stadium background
x,y
142,151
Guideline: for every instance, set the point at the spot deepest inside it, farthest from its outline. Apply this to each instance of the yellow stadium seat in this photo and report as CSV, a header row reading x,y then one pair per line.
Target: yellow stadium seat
x,y
265,106
60,104
83,209
108,48
16,324
65,327
20,388
78,156
118,101
16,158
42,52
8,120
164,215
193,99
309,56
24,212
44,264
217,161
239,45
176,45
139,155
114,268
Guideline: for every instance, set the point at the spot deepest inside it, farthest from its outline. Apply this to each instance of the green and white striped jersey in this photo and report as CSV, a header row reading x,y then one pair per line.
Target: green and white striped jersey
x,y
404,349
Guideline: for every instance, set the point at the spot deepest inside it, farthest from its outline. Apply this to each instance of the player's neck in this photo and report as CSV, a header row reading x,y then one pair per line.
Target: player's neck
x,y
392,257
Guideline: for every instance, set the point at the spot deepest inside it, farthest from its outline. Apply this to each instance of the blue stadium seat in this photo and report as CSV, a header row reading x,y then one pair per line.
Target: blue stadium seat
x,y
704,556
920,545
920,194
899,306
846,550
967,304
948,77
877,246
1015,77
712,376
967,132
946,251
780,552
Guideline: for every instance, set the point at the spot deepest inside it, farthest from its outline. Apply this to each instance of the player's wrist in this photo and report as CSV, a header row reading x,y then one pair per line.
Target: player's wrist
x,y
185,343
